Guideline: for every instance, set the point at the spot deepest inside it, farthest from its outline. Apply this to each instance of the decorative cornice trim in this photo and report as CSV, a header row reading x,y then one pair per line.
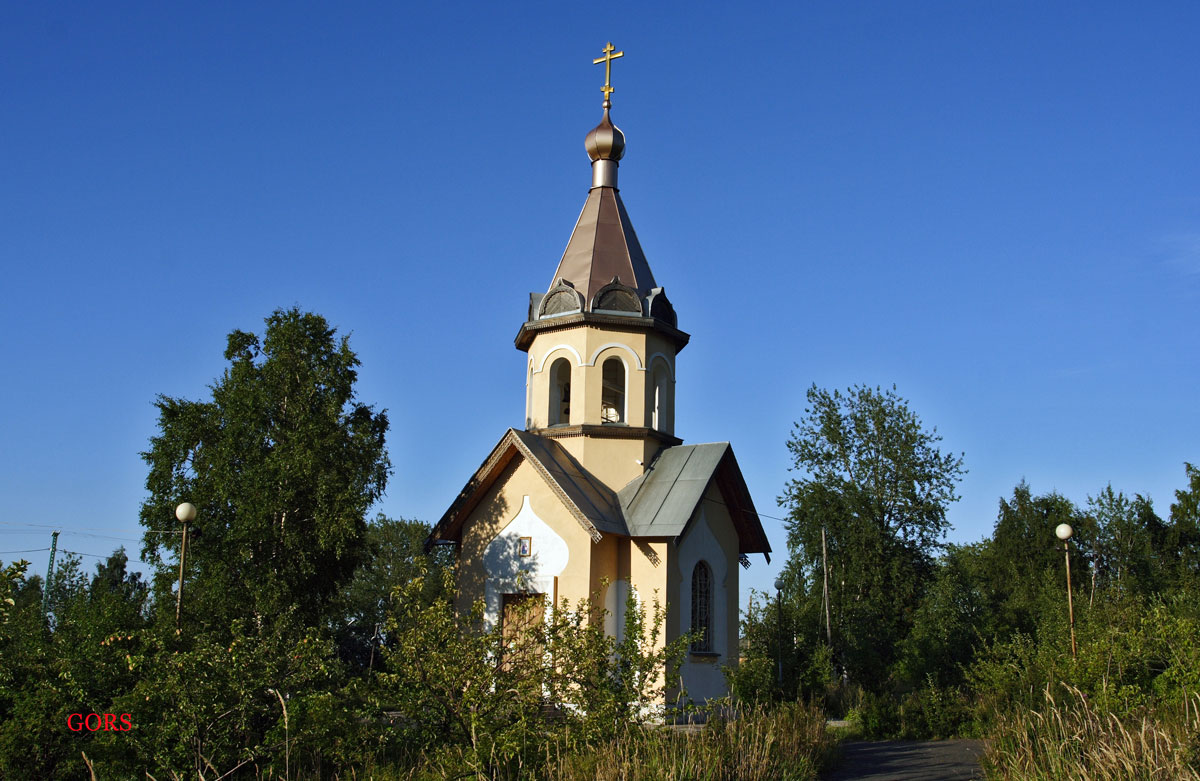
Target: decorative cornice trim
x,y
606,431
530,328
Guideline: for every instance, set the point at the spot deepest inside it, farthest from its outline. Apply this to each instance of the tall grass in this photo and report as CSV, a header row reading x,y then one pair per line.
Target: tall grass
x,y
782,743
1070,739
788,742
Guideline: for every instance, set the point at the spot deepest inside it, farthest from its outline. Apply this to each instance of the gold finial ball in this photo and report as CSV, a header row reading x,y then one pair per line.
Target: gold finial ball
x,y
606,141
1064,531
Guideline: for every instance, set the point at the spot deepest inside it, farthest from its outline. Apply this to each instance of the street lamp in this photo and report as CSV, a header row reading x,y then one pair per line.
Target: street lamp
x,y
1064,531
185,513
779,633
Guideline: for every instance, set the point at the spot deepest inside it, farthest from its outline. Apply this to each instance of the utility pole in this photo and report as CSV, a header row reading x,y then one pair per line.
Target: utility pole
x,y
825,566
186,513
49,574
779,634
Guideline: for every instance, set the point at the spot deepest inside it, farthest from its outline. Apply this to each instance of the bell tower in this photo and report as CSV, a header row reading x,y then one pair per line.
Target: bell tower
x,y
603,338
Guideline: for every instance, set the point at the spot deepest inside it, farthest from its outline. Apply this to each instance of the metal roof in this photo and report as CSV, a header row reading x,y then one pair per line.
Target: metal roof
x,y
662,500
602,246
596,501
659,503
593,504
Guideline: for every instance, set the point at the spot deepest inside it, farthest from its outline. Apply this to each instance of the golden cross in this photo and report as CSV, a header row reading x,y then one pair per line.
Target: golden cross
x,y
607,59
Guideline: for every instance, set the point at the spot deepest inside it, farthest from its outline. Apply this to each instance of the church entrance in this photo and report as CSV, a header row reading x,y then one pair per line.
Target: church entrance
x,y
520,614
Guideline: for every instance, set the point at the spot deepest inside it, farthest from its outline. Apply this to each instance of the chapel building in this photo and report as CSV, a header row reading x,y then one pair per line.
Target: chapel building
x,y
596,496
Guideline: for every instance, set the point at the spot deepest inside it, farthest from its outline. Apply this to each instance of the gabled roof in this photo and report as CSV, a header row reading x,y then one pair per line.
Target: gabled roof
x,y
663,500
603,246
659,503
592,504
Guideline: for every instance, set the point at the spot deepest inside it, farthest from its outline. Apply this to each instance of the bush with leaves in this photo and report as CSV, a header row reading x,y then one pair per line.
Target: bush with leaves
x,y
258,697
1132,653
782,638
491,704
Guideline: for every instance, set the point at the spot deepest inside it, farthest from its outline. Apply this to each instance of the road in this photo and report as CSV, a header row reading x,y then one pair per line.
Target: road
x,y
904,760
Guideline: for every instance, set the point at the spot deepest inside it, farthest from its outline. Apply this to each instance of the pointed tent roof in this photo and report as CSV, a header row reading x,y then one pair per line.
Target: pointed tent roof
x,y
603,271
603,246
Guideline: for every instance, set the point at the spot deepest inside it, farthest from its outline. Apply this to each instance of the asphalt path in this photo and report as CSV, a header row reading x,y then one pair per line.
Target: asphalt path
x,y
906,760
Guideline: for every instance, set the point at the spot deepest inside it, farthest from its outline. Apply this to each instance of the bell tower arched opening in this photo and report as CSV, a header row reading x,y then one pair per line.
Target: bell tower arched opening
x,y
662,400
612,397
559,413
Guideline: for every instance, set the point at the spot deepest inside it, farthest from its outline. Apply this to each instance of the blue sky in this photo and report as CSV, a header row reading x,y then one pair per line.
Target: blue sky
x,y
993,205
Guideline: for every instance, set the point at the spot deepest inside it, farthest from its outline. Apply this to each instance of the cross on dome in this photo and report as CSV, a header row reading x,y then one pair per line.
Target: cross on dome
x,y
609,56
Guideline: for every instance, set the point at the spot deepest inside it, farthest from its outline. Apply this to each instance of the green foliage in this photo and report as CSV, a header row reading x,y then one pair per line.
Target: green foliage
x,y
1132,653
208,705
1183,534
946,625
876,483
10,579
782,636
282,464
937,712
494,700
1021,566
1129,545
63,666
395,553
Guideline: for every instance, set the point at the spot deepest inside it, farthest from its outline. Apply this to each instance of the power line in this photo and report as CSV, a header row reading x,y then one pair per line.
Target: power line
x,y
102,536
27,550
756,512
89,528
101,556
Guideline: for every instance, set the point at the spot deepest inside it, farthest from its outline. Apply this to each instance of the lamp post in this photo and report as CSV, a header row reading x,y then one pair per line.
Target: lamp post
x,y
1064,532
186,513
779,634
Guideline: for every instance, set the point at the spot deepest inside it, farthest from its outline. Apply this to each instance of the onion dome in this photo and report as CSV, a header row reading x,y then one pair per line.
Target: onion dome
x,y
606,141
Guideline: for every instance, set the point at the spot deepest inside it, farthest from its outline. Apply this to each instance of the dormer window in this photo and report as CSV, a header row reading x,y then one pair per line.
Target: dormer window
x,y
560,393
617,299
612,397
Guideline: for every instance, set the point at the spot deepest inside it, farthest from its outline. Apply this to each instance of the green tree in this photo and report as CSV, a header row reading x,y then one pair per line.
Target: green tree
x,y
1129,542
1021,568
1183,533
947,624
782,638
395,554
282,464
72,663
875,482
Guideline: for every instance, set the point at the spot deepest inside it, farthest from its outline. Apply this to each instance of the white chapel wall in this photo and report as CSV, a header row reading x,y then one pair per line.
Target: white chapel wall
x,y
702,676
507,572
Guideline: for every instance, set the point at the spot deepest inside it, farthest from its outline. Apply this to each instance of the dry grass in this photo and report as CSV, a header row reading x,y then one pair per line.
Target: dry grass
x,y
1070,740
783,743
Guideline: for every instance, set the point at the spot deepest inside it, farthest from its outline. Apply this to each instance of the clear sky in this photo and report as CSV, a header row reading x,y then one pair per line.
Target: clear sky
x,y
993,205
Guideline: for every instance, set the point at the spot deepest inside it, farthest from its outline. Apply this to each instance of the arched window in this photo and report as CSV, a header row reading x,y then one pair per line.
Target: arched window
x,y
702,607
612,397
560,393
661,400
